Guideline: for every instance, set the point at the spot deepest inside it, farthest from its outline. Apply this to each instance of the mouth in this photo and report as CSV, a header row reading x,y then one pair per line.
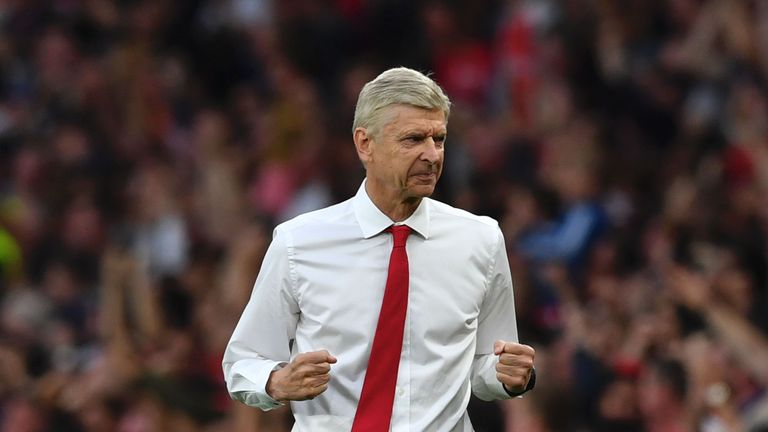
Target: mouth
x,y
425,176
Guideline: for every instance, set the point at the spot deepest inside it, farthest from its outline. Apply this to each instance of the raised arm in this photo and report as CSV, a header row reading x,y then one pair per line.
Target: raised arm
x,y
744,341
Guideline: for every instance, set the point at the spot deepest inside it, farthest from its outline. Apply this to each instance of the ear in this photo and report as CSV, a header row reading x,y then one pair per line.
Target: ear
x,y
363,144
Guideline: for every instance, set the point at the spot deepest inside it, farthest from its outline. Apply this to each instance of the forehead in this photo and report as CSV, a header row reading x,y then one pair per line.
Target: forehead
x,y
406,117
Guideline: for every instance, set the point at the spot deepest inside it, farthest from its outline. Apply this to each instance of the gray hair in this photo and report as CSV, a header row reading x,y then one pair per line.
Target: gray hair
x,y
397,86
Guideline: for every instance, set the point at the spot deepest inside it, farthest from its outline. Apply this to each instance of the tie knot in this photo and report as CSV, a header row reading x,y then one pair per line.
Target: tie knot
x,y
399,234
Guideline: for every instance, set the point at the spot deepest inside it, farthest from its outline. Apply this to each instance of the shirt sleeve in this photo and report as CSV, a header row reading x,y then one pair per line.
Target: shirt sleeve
x,y
496,322
566,240
260,341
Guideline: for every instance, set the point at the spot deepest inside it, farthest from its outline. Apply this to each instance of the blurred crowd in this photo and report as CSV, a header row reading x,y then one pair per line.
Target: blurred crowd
x,y
148,148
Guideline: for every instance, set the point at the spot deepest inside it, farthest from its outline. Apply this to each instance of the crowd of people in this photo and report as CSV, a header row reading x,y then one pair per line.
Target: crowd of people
x,y
148,148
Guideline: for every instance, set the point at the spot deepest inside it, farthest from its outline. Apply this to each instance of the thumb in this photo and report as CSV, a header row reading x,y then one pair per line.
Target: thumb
x,y
498,347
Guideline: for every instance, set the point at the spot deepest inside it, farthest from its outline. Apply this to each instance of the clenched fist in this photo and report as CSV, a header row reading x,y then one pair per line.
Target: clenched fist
x,y
515,365
304,378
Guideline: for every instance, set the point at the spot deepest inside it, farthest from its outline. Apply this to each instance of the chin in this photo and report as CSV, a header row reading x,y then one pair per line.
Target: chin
x,y
422,191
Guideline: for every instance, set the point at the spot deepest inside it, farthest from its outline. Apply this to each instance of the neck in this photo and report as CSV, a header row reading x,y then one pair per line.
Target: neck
x,y
391,204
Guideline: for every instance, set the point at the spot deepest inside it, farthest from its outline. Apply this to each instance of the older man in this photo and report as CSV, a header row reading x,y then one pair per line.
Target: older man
x,y
383,312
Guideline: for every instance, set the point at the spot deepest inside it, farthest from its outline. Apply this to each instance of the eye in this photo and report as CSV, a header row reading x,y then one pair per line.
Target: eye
x,y
417,139
439,140
413,139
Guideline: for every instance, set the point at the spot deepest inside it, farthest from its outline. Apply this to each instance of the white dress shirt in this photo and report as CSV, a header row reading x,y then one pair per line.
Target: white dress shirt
x,y
321,286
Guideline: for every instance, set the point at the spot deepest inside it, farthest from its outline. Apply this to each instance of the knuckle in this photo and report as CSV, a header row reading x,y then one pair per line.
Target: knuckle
x,y
529,350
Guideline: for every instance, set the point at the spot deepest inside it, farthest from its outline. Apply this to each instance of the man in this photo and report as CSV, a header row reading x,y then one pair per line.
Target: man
x,y
388,309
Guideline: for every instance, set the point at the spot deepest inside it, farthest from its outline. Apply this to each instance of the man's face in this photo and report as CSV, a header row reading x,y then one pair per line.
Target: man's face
x,y
406,155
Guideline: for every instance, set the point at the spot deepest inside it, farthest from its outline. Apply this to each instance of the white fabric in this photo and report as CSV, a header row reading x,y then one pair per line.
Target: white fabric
x,y
321,284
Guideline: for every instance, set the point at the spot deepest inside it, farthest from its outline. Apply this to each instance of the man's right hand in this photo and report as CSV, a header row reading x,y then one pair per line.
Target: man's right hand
x,y
304,378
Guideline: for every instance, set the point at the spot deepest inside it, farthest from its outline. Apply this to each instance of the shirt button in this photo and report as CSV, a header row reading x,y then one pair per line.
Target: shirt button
x,y
400,391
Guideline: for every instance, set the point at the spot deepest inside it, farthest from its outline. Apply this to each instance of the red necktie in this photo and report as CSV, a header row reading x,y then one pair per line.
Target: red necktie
x,y
375,407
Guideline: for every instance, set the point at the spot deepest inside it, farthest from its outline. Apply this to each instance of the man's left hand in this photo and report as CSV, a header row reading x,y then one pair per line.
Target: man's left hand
x,y
515,365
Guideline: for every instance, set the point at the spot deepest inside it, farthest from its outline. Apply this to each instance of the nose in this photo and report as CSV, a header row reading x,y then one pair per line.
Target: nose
x,y
431,152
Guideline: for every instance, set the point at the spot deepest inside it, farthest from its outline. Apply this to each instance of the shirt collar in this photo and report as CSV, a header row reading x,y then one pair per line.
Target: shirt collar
x,y
372,221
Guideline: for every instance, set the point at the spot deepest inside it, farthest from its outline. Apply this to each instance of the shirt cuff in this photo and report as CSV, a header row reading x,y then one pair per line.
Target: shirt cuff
x,y
529,387
258,397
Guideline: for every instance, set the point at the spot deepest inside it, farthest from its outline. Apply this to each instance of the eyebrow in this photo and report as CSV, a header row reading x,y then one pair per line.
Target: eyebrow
x,y
421,133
